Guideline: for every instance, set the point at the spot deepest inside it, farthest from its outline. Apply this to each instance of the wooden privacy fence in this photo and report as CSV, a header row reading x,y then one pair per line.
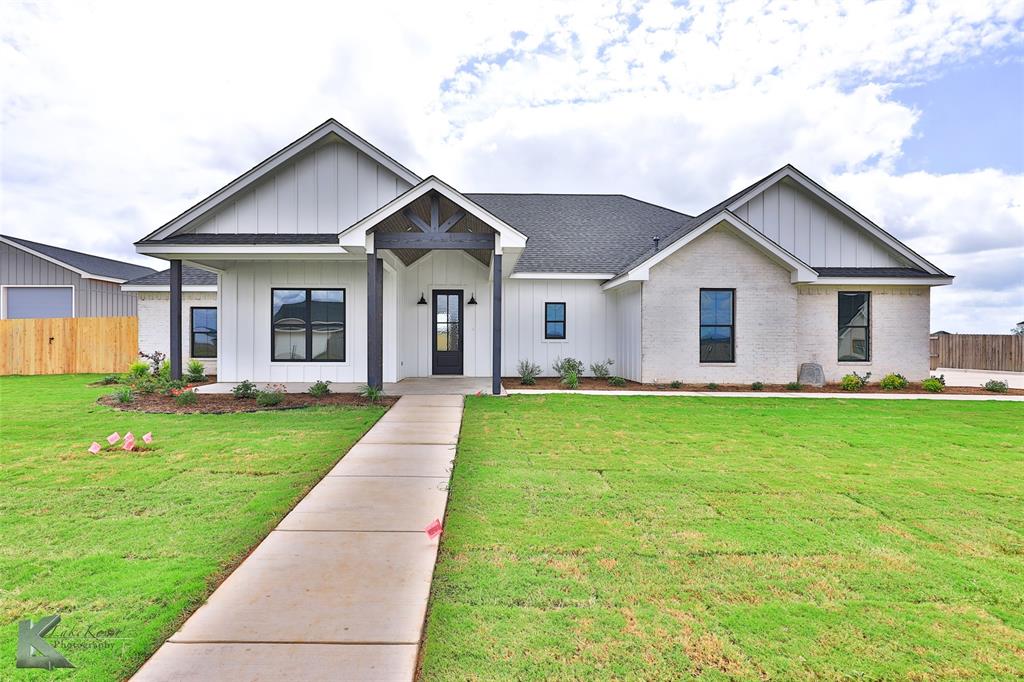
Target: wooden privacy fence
x,y
68,345
1002,352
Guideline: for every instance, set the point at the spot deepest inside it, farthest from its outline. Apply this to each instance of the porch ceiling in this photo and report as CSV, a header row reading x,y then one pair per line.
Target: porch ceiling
x,y
398,222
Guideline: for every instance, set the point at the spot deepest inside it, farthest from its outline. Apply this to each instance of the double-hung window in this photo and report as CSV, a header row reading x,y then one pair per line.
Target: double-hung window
x,y
308,325
717,325
554,320
203,332
854,326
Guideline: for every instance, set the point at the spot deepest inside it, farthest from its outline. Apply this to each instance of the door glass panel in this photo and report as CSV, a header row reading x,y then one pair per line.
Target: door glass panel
x,y
453,308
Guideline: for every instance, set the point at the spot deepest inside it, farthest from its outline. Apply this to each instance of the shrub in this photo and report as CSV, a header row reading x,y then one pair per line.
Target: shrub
x,y
996,386
186,398
794,386
147,384
156,360
244,389
563,367
894,382
138,370
676,384
165,370
854,381
110,380
712,386
371,393
274,395
195,371
528,372
933,385
616,381
320,389
124,395
571,379
172,387
941,379
602,370
757,386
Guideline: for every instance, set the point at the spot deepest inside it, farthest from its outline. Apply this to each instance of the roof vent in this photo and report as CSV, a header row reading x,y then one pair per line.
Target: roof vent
x,y
657,240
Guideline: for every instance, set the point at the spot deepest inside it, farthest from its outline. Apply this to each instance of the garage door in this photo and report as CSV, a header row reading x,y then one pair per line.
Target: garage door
x,y
25,302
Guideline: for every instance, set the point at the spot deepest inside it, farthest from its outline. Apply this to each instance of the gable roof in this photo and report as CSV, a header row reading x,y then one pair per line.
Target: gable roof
x,y
86,265
190,277
327,129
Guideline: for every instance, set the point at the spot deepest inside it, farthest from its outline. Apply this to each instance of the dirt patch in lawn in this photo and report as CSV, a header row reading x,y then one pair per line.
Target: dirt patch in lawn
x,y
592,384
224,403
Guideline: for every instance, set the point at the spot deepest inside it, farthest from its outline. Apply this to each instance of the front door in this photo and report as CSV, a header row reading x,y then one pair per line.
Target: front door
x,y
447,332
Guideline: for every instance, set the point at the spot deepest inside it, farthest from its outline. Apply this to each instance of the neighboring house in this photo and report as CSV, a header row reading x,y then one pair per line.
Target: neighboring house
x,y
39,280
198,311
336,262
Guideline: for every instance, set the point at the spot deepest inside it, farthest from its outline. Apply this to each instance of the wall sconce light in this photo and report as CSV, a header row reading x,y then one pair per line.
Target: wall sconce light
x,y
422,301
472,299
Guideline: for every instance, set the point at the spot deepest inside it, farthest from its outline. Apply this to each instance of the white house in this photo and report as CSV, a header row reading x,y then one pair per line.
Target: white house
x,y
336,262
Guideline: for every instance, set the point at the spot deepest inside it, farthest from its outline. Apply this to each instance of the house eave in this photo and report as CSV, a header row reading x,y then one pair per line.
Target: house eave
x,y
881,281
166,288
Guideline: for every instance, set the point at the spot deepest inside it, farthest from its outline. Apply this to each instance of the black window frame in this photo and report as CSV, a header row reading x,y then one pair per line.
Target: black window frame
x,y
309,324
732,328
192,332
564,321
866,326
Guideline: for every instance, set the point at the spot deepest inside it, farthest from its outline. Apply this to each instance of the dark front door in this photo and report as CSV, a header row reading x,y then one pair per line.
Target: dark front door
x,y
447,332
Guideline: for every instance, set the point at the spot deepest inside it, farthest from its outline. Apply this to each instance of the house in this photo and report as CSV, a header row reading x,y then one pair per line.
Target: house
x,y
337,262
43,281
198,309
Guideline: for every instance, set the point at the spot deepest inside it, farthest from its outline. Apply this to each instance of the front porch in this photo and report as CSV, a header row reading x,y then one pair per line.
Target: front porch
x,y
452,385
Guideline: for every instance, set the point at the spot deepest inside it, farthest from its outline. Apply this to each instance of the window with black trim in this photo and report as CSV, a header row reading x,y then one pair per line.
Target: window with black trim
x,y
203,332
717,325
307,325
854,326
554,320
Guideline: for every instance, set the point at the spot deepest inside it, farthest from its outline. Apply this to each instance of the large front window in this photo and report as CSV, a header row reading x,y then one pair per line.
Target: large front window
x,y
854,326
308,325
717,325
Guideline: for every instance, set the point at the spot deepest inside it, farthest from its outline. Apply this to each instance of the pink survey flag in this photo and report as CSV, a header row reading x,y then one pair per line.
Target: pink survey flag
x,y
147,437
94,448
114,437
434,529
129,436
129,444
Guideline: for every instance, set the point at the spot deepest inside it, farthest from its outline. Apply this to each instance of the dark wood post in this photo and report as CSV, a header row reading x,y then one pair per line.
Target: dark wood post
x,y
374,321
175,319
496,328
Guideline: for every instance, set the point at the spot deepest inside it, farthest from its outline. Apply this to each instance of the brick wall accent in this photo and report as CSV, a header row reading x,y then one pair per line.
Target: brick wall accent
x,y
155,322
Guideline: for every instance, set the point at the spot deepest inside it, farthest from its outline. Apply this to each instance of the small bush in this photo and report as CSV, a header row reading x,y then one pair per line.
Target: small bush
x,y
563,367
854,381
195,372
616,381
138,370
274,395
676,384
371,393
124,395
941,379
528,372
894,382
320,389
794,386
996,386
110,380
147,384
186,398
172,387
757,386
933,385
571,379
156,360
165,370
244,389
602,370
712,386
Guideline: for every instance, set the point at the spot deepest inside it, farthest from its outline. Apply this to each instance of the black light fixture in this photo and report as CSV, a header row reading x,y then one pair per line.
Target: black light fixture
x,y
422,301
472,299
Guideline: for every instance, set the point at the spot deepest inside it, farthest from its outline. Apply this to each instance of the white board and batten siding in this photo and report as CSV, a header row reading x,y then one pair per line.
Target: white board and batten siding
x,y
627,327
813,231
322,191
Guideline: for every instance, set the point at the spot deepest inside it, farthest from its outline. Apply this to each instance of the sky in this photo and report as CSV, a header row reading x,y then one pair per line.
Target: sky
x,y
117,116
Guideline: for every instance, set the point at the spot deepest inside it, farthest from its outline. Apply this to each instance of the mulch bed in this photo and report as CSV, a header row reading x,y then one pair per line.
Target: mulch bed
x,y
592,384
224,403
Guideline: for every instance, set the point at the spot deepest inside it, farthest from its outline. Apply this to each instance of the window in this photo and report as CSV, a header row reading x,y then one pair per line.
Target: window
x,y
26,302
717,325
308,325
554,320
854,329
204,333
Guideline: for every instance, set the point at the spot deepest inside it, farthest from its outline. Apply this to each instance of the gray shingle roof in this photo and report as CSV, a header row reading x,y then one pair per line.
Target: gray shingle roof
x,y
189,277
249,238
94,265
594,233
872,272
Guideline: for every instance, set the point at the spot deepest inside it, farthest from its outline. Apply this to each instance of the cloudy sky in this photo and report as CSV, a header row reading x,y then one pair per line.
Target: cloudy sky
x,y
118,116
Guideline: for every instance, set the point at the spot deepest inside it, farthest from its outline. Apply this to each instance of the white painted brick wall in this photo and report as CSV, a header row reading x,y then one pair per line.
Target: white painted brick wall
x,y
155,323
899,324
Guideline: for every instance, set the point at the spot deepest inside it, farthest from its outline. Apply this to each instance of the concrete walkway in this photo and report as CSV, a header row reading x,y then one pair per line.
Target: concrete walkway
x,y
338,591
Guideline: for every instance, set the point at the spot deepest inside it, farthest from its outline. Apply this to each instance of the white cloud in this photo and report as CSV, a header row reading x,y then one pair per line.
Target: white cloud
x,y
117,116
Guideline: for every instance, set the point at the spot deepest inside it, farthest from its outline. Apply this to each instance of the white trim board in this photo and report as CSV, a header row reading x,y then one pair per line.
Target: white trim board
x,y
563,275
5,287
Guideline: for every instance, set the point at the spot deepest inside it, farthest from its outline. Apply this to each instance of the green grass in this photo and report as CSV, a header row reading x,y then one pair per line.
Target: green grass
x,y
664,538
122,545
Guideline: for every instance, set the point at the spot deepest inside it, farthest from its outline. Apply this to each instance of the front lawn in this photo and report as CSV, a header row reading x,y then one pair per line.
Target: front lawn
x,y
123,544
660,538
